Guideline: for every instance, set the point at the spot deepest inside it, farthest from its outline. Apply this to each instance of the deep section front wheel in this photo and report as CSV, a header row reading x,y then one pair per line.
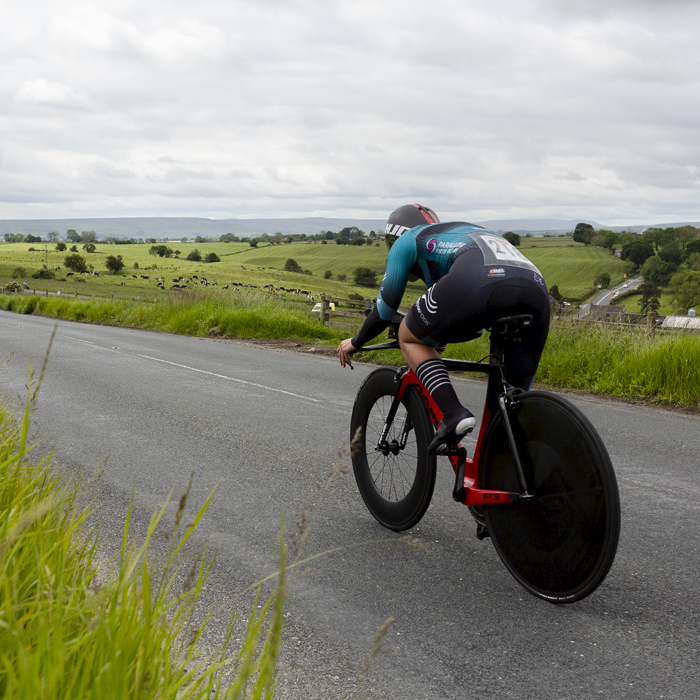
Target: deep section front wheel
x,y
559,545
396,478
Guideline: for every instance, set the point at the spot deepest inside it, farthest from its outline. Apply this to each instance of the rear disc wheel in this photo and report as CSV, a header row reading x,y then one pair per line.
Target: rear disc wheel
x,y
561,544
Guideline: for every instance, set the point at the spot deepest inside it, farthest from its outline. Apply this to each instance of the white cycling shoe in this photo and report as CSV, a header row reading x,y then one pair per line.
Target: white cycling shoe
x,y
445,438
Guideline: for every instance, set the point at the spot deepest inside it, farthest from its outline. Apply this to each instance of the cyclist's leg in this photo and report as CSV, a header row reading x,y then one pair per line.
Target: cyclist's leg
x,y
447,312
513,296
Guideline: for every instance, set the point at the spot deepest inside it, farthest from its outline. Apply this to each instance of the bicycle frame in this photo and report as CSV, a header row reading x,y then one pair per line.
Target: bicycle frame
x,y
466,470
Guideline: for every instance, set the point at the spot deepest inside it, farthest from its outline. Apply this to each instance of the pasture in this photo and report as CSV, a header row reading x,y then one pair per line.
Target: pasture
x,y
571,266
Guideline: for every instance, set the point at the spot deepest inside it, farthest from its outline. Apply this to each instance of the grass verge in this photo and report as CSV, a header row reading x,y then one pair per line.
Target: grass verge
x,y
70,630
622,362
251,315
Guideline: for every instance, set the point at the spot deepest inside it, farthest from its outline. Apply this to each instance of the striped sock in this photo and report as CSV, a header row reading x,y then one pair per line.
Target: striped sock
x,y
435,379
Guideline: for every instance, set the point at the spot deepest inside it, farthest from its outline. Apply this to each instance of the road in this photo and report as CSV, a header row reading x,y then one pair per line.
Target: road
x,y
267,426
605,297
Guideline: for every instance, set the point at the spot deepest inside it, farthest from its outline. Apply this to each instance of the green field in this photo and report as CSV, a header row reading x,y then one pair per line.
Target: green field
x,y
631,304
571,266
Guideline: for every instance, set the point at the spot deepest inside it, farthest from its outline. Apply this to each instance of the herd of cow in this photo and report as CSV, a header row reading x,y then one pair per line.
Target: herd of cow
x,y
181,283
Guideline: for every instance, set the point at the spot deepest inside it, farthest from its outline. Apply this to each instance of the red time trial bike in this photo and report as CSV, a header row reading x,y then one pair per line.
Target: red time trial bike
x,y
540,482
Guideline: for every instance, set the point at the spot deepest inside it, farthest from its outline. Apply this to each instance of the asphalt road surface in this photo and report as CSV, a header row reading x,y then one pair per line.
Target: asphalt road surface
x,y
266,426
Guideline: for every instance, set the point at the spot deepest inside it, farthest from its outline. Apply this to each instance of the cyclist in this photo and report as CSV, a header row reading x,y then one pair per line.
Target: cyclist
x,y
474,276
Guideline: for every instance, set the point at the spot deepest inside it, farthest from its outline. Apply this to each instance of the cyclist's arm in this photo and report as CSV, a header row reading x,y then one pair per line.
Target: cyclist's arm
x,y
402,257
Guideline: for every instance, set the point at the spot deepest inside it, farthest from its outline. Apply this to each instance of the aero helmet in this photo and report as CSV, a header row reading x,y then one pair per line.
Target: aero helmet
x,y
406,217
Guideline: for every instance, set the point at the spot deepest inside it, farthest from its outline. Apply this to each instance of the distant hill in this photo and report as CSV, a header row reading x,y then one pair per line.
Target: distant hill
x,y
182,227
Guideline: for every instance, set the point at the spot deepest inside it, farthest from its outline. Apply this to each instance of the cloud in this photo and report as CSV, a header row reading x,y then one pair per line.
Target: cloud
x,y
266,108
45,92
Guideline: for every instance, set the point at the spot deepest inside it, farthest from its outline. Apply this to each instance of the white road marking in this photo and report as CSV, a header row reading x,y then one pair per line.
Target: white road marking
x,y
231,379
87,342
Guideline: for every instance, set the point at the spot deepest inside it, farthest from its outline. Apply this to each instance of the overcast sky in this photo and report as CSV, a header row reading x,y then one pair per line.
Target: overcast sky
x,y
275,108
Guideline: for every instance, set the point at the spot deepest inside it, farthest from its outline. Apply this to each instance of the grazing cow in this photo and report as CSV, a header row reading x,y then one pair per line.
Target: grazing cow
x,y
226,287
134,277
69,274
144,277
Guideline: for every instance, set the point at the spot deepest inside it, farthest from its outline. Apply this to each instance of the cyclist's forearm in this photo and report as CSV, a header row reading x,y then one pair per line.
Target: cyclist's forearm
x,y
371,328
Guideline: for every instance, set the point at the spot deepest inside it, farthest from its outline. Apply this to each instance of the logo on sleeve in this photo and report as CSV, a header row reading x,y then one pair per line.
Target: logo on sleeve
x,y
431,245
538,278
497,272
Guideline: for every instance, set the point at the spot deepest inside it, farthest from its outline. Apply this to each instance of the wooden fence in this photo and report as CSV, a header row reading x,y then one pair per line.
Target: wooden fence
x,y
327,312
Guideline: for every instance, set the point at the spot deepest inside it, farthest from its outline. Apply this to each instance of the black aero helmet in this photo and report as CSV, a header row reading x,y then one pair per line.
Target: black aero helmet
x,y
406,217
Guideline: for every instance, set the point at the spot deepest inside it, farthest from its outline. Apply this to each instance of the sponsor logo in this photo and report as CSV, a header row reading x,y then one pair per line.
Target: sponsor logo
x,y
497,272
420,313
538,278
431,245
430,303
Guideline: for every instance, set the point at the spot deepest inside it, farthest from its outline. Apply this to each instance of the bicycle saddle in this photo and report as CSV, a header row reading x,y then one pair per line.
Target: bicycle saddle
x,y
512,327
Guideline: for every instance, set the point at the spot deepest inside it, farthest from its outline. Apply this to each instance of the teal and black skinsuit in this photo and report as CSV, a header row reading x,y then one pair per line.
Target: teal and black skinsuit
x,y
473,276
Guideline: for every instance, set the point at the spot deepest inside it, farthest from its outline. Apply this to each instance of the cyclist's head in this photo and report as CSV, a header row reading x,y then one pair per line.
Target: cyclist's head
x,y
406,217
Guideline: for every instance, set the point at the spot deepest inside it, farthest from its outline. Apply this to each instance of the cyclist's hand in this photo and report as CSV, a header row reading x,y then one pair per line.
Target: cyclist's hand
x,y
345,350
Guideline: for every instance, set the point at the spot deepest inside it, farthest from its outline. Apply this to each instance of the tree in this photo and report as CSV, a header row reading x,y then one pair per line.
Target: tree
x,y
52,237
60,246
684,235
114,263
656,271
607,239
75,262
74,249
554,291
32,239
212,258
19,272
602,279
692,247
583,233
194,255
253,242
512,238
637,252
327,275
685,287
72,236
365,277
342,277
292,265
671,253
162,251
88,237
650,297
89,247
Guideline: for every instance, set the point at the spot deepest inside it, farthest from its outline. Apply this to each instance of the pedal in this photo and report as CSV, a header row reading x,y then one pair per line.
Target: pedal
x,y
482,532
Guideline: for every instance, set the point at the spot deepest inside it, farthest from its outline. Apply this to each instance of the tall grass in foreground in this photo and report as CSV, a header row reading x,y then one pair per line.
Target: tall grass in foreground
x,y
69,630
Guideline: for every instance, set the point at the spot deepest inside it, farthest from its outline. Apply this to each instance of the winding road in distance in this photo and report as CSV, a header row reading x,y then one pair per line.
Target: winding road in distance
x,y
266,426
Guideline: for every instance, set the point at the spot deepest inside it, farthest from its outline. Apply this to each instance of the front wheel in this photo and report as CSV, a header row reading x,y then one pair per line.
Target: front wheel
x,y
561,544
396,482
